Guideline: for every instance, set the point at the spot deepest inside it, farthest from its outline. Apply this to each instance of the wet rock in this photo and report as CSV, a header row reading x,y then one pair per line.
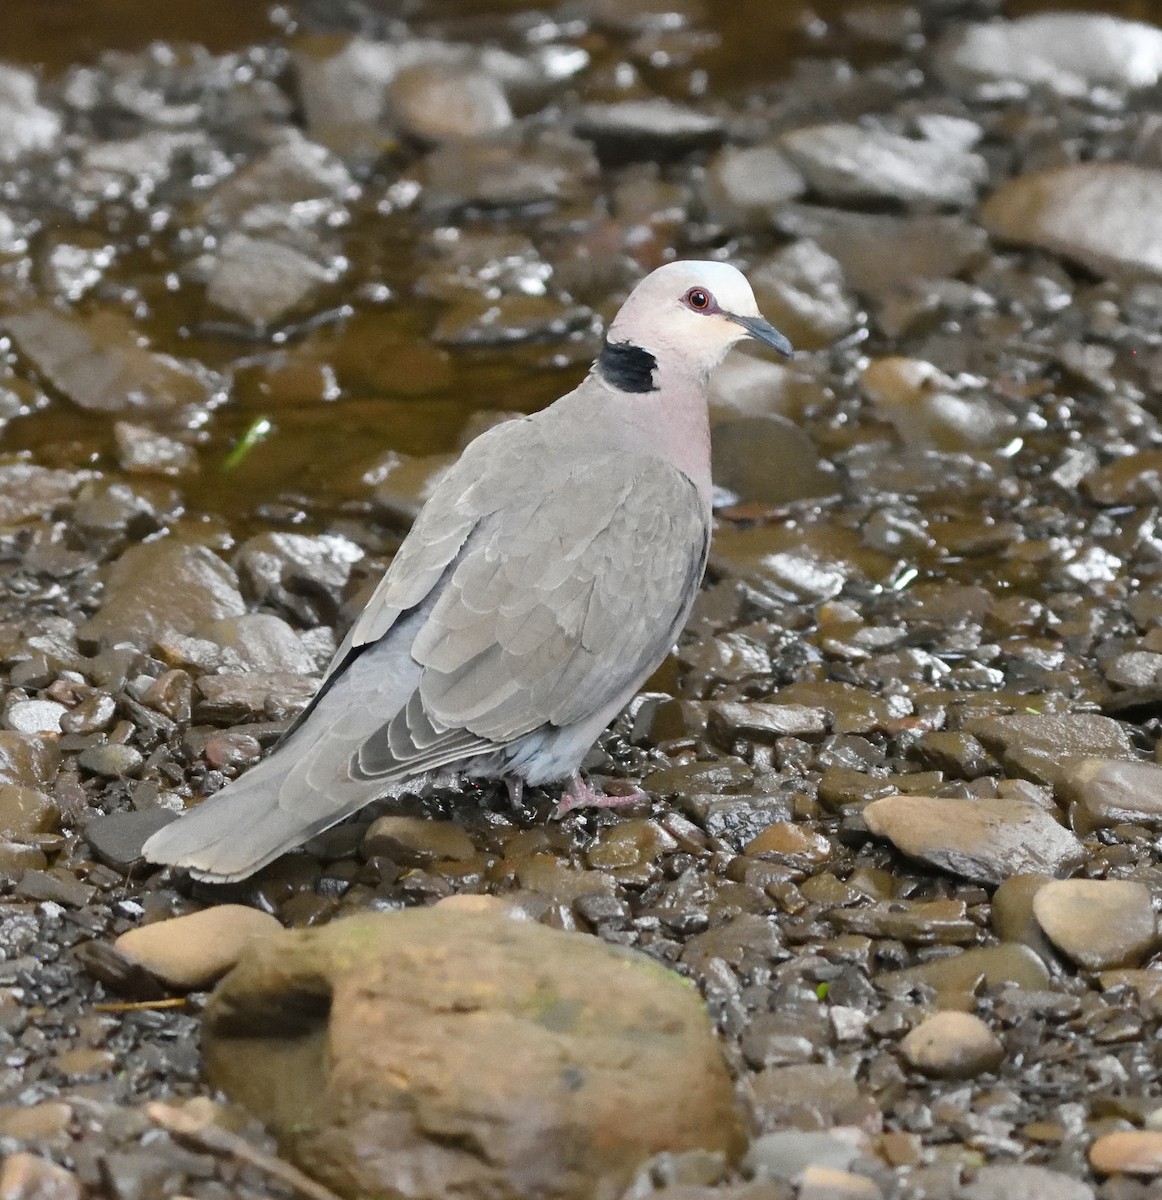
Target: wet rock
x,y
928,409
159,587
801,289
783,563
27,760
1036,745
144,451
1003,1181
1097,923
512,169
767,723
413,841
1106,792
294,184
427,1002
768,460
786,838
289,569
24,811
1128,1152
957,755
746,185
405,482
1105,216
787,1154
112,761
1136,668
26,126
1069,54
986,840
30,1177
262,280
28,491
434,101
191,951
1132,479
1012,916
34,716
262,642
116,838
99,363
956,979
55,885
953,1045
845,163
653,130
255,696
882,255
353,89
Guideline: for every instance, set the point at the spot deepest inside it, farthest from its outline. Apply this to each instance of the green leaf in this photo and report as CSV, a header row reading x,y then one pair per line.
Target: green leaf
x,y
255,434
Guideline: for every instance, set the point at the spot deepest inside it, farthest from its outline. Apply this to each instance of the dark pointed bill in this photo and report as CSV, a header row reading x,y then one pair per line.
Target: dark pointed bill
x,y
763,331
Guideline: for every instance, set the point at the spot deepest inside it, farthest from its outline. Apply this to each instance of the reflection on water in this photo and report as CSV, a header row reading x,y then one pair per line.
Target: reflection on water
x,y
365,378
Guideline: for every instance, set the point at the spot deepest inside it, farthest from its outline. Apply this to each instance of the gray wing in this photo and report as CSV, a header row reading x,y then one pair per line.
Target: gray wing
x,y
551,611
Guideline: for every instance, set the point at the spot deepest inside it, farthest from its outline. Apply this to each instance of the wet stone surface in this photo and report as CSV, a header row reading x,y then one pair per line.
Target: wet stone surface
x,y
902,810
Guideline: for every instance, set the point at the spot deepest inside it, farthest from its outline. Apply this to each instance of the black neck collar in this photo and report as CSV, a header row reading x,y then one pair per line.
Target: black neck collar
x,y
627,367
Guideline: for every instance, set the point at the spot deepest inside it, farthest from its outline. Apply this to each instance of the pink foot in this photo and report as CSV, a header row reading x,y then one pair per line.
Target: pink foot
x,y
578,794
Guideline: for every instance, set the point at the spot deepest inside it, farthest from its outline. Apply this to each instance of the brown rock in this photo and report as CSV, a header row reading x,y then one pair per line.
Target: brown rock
x,y
27,760
24,811
1105,215
99,363
1011,913
1128,1152
413,841
441,1051
161,586
1107,791
1098,923
952,1045
987,840
785,837
28,491
30,1177
192,951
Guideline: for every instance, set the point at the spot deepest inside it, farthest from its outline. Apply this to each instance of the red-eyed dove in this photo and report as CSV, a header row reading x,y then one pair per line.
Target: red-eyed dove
x,y
544,581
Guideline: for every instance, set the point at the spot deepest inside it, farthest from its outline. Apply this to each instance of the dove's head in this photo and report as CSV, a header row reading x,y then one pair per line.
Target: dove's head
x,y
688,314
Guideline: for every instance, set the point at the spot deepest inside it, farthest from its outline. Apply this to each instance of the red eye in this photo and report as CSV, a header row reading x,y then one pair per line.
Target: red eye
x,y
698,299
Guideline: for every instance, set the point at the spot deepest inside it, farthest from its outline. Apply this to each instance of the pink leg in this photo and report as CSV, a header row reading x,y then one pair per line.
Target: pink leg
x,y
578,794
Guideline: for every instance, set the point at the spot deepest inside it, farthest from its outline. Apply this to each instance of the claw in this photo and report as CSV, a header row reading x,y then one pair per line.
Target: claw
x,y
578,794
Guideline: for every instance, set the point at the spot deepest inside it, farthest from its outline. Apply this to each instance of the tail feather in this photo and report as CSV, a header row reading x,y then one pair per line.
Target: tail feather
x,y
242,828
306,785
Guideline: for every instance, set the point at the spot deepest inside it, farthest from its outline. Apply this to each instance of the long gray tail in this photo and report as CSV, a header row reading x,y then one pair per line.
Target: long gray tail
x,y
305,786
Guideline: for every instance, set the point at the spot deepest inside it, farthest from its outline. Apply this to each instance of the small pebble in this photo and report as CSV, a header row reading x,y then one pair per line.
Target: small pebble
x,y
953,1045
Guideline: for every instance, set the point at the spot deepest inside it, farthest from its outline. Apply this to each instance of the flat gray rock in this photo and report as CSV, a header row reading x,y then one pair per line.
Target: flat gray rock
x,y
846,163
986,840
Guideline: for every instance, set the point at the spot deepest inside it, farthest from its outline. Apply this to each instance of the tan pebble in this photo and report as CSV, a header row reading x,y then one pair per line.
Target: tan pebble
x,y
38,1121
826,1183
1128,1152
952,1045
30,1177
192,951
785,837
84,1061
1098,923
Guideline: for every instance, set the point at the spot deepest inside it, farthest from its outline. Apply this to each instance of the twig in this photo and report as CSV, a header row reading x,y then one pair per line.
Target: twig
x,y
119,1006
204,1134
